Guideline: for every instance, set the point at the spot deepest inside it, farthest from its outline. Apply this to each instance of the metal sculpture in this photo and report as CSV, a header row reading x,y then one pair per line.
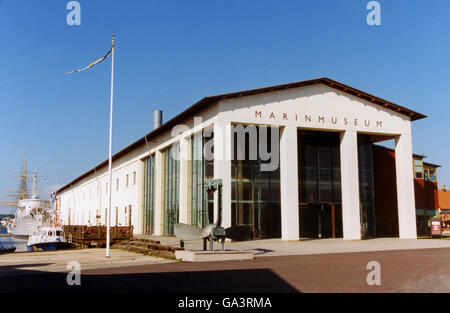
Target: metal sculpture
x,y
212,232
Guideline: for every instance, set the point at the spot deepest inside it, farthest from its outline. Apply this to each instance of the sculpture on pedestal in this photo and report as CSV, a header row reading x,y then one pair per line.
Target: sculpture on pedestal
x,y
213,231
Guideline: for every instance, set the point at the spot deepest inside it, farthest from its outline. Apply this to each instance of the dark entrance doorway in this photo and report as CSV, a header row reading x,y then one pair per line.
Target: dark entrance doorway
x,y
320,220
255,194
319,174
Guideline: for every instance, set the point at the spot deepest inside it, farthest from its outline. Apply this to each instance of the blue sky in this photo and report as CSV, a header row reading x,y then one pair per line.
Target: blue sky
x,y
172,53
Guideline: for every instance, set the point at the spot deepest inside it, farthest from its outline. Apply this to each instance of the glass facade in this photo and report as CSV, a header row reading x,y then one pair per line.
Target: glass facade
x,y
366,187
255,194
171,188
319,174
149,192
202,168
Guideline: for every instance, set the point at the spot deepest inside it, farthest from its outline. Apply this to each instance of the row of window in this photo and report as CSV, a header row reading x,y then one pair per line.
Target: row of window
x,y
420,172
126,182
202,168
98,219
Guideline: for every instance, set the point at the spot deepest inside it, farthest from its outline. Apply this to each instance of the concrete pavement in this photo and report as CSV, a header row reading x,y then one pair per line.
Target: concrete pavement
x,y
417,270
332,265
56,261
278,247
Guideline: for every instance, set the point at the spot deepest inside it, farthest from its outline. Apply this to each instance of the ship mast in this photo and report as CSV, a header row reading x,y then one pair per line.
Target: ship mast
x,y
23,192
35,192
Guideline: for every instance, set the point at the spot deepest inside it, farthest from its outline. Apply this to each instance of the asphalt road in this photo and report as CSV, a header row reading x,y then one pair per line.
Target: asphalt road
x,y
424,270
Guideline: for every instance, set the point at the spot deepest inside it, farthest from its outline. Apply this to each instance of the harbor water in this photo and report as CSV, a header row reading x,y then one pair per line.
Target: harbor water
x,y
9,241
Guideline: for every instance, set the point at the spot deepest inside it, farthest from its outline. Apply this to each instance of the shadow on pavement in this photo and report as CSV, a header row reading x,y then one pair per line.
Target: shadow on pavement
x,y
219,281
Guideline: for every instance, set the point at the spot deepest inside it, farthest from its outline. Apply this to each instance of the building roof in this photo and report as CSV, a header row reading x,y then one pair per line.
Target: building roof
x,y
444,199
419,156
431,164
206,101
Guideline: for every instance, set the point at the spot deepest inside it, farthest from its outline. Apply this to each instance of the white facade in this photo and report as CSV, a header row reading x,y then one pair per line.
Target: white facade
x,y
315,106
85,201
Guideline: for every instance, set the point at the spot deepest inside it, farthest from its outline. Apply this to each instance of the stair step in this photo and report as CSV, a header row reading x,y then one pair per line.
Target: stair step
x,y
153,246
163,254
149,240
148,247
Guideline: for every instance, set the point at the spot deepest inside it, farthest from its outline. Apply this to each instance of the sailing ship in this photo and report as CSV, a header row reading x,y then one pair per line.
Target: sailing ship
x,y
30,211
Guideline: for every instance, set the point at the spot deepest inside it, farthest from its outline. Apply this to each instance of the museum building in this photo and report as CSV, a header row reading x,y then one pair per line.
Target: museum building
x,y
296,161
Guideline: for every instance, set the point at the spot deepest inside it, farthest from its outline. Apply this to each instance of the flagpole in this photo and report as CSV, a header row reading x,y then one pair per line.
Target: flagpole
x,y
108,219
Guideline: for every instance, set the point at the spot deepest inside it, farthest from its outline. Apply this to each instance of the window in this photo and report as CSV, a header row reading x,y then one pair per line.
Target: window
x,y
432,175
126,180
171,187
425,174
149,182
366,186
201,169
255,194
134,178
319,182
117,184
129,215
106,188
418,169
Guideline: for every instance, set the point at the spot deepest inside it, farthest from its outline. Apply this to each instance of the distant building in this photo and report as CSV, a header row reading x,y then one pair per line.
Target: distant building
x,y
444,207
425,192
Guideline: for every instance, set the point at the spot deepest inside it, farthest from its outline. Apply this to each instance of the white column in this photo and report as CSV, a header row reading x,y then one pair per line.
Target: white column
x,y
222,167
289,183
159,196
405,187
350,185
185,156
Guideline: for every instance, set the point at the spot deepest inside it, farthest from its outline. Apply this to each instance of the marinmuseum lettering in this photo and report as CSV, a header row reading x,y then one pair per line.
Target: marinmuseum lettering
x,y
308,118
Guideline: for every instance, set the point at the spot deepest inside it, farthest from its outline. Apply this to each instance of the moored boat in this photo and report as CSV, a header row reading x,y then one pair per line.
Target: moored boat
x,y
30,211
30,215
47,238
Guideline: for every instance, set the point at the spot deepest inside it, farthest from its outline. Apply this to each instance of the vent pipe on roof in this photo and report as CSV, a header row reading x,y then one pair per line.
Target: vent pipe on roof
x,y
157,119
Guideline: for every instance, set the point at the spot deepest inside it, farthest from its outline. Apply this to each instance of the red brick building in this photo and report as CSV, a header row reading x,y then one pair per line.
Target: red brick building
x,y
444,207
425,191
